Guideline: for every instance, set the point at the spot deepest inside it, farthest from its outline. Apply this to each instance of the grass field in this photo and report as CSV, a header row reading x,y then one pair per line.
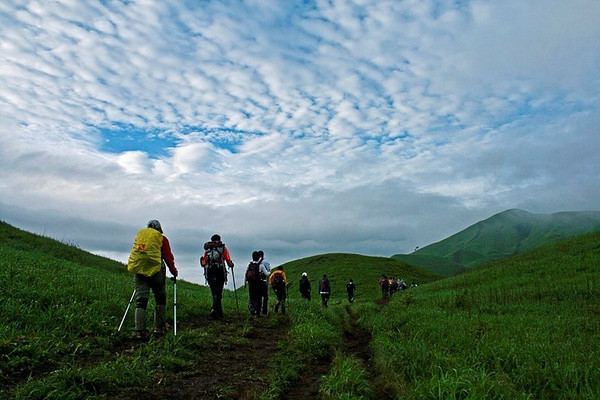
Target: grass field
x,y
523,328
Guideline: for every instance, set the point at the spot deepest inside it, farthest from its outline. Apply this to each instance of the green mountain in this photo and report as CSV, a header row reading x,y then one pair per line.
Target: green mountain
x,y
500,236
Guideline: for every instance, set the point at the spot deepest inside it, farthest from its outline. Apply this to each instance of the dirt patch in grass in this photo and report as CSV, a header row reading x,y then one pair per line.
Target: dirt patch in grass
x,y
230,367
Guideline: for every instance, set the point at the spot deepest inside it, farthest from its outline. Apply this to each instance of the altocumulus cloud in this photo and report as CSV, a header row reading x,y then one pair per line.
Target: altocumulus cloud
x,y
368,127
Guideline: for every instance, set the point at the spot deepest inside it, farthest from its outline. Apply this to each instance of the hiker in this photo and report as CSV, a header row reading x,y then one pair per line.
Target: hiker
x,y
402,285
278,283
254,284
385,286
265,267
413,284
213,261
350,289
393,283
324,290
151,251
304,286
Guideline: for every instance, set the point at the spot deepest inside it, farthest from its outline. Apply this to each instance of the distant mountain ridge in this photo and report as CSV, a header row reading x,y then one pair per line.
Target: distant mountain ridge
x,y
502,235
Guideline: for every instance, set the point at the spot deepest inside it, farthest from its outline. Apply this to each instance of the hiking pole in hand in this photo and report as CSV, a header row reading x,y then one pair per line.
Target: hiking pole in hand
x,y
237,306
126,310
174,278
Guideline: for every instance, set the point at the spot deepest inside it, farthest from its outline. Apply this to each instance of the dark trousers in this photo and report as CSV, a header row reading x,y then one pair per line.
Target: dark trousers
x,y
324,299
265,297
306,294
216,289
280,294
255,292
351,296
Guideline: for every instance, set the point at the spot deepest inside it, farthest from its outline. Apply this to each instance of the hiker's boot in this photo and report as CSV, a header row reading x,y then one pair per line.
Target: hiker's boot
x,y
159,317
140,319
159,332
142,334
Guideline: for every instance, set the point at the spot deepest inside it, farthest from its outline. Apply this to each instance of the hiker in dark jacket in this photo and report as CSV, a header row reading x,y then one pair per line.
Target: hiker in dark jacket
x,y
253,282
350,289
304,286
324,290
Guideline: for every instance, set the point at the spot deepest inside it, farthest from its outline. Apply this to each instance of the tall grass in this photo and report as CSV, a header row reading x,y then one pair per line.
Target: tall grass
x,y
523,328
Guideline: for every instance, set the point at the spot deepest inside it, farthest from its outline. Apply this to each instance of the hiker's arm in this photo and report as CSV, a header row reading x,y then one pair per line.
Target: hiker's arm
x,y
227,258
167,255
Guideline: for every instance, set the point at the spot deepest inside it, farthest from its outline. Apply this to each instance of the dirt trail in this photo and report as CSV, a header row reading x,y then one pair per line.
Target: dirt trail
x,y
356,343
225,371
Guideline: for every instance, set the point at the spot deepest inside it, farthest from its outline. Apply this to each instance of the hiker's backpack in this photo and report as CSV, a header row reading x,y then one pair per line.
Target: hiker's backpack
x,y
385,283
146,256
215,264
277,281
253,272
323,286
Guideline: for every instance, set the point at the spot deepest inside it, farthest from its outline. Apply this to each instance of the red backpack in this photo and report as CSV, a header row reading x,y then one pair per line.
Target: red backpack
x,y
253,272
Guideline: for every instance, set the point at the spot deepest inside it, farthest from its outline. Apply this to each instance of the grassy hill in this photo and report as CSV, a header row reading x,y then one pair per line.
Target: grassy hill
x,y
364,270
500,236
526,327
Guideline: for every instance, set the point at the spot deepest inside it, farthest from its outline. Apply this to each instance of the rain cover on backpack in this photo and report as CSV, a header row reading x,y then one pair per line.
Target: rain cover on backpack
x,y
215,264
146,256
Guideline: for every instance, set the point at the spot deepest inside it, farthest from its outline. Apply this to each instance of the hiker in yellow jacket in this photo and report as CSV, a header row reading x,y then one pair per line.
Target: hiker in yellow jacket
x,y
151,251
279,284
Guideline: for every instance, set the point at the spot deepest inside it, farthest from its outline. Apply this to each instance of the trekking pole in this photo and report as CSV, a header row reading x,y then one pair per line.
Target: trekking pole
x,y
237,306
174,305
126,310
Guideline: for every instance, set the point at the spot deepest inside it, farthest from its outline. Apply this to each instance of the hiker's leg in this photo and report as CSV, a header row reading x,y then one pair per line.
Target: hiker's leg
x,y
157,284
141,301
265,298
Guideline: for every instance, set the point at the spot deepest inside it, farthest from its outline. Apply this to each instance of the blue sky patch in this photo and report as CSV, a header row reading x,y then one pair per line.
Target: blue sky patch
x,y
121,138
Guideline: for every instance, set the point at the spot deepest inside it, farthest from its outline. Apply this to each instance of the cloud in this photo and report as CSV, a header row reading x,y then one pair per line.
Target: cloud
x,y
367,127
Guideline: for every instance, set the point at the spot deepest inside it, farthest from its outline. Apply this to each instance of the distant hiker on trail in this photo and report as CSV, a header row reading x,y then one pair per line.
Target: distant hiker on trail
x,y
324,290
350,289
265,268
385,286
254,284
393,286
213,261
402,285
278,283
151,251
413,284
304,286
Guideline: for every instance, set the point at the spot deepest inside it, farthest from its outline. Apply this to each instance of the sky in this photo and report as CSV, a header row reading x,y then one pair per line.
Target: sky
x,y
298,128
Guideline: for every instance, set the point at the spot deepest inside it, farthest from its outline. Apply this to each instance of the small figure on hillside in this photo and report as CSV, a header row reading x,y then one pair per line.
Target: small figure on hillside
x,y
278,283
304,286
253,280
402,285
265,268
324,290
385,286
413,284
151,252
350,290
393,286
213,261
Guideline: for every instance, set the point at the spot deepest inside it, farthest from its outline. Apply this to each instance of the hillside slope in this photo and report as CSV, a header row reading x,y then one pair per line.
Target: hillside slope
x,y
364,270
525,327
500,236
